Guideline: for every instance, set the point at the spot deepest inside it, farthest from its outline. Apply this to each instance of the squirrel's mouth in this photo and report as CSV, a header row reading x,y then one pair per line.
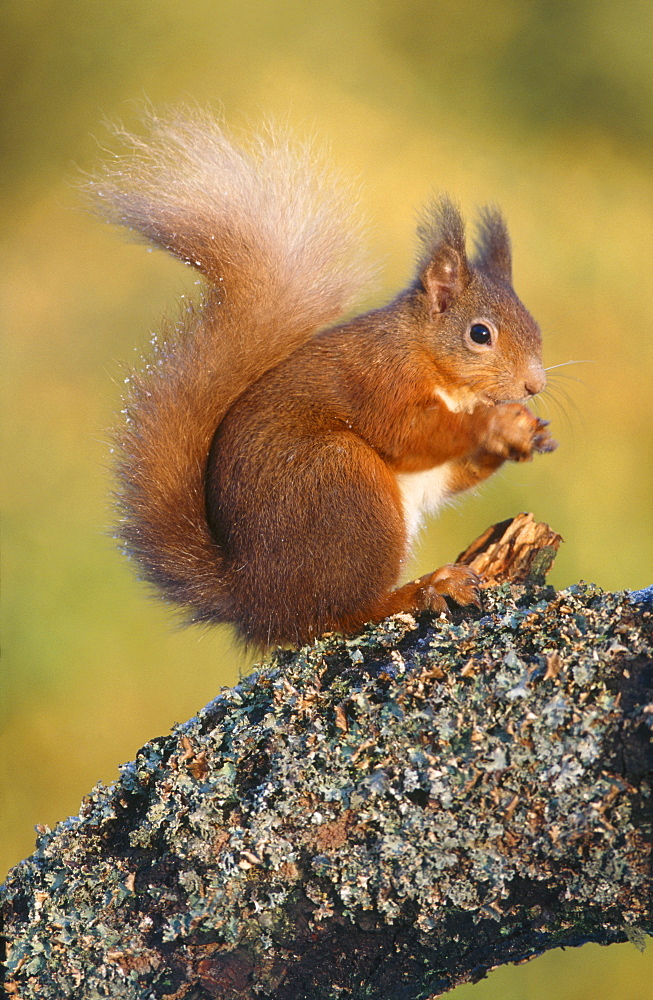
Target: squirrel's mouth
x,y
488,401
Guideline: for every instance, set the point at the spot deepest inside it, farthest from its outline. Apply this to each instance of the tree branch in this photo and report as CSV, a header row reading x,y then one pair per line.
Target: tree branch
x,y
384,817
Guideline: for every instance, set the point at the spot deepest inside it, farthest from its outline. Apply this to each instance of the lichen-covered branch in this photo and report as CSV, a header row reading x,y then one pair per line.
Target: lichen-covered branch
x,y
383,817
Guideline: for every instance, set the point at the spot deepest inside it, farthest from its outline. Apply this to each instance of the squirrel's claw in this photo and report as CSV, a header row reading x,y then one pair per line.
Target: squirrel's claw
x,y
542,441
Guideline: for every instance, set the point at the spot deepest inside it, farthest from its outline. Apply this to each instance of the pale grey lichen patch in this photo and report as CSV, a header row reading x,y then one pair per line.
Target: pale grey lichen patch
x,y
428,775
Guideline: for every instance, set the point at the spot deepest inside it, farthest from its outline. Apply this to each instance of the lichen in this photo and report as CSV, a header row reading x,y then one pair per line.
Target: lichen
x,y
432,775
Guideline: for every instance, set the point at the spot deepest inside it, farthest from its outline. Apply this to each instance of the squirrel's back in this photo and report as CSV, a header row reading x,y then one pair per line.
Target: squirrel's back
x,y
276,239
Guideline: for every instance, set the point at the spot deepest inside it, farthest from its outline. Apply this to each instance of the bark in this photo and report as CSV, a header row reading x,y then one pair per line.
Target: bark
x,y
382,817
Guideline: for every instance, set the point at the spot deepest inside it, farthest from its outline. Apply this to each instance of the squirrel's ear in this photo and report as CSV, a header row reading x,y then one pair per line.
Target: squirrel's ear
x,y
444,271
493,254
444,278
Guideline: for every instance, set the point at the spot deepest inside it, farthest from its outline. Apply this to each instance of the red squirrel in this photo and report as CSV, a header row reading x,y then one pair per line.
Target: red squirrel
x,y
276,467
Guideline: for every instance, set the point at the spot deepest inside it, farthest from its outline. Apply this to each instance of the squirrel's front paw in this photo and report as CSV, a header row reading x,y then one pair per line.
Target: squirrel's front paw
x,y
515,433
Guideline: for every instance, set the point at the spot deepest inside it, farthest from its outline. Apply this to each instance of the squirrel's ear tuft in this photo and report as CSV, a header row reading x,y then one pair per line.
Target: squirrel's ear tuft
x,y
493,255
443,270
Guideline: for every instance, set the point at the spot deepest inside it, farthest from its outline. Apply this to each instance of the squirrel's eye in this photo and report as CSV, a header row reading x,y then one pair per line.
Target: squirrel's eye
x,y
480,333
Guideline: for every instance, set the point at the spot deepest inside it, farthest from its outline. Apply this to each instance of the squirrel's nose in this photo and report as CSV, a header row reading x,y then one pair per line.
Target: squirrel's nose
x,y
535,382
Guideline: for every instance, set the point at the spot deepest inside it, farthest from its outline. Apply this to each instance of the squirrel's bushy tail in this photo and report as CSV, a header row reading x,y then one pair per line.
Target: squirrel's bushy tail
x,y
274,235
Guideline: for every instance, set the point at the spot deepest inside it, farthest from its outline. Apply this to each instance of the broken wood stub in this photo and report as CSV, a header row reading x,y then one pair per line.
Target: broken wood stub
x,y
518,550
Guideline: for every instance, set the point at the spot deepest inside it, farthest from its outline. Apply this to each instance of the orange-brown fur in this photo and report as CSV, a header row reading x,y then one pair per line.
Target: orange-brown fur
x,y
264,452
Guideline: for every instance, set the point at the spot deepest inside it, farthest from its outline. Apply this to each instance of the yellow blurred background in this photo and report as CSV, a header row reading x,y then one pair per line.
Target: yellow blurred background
x,y
544,108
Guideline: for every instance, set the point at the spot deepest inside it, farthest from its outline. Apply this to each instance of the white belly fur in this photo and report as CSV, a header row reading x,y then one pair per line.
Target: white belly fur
x,y
422,493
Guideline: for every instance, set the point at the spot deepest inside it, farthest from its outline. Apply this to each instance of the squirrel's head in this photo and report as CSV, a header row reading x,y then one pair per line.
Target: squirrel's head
x,y
482,339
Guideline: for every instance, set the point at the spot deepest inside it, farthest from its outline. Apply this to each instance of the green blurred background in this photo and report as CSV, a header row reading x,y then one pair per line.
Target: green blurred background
x,y
545,108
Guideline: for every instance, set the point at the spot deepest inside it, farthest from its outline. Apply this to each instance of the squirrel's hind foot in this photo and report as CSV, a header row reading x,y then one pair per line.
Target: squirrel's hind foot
x,y
459,583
